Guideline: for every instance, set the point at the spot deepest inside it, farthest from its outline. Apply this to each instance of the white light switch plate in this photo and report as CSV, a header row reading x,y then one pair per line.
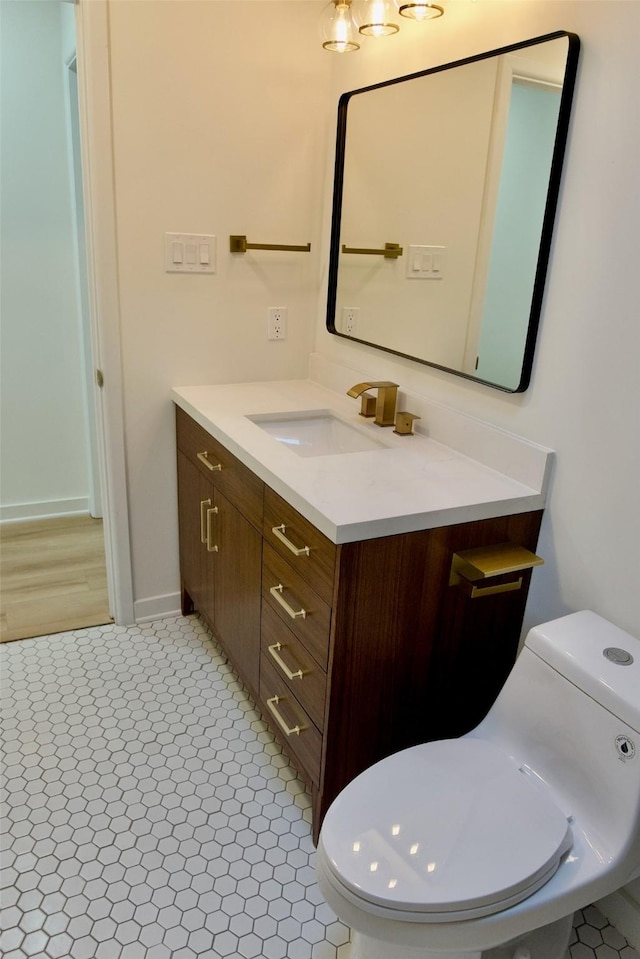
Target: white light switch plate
x,y
189,253
425,262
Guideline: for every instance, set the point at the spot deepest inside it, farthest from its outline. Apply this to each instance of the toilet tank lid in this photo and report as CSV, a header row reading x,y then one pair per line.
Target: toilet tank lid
x,y
575,646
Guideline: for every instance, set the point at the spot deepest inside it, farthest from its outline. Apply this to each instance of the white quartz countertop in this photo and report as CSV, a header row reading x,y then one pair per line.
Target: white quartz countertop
x,y
411,483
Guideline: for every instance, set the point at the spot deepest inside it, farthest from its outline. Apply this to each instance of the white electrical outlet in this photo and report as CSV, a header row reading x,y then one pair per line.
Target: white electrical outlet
x,y
350,319
277,323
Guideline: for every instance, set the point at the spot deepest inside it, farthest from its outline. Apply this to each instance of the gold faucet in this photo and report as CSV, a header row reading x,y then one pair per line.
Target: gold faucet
x,y
385,400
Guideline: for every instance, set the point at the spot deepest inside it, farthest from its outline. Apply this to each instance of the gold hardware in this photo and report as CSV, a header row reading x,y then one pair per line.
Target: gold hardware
x,y
404,423
288,730
475,592
238,244
210,466
210,513
274,650
385,402
278,532
472,565
203,534
276,592
421,11
391,251
99,378
367,405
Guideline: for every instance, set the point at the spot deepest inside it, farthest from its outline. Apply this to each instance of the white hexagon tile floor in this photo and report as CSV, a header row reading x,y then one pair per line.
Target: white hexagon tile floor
x,y
151,814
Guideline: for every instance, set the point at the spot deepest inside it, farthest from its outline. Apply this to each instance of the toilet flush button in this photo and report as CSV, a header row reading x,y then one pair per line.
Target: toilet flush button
x,y
621,657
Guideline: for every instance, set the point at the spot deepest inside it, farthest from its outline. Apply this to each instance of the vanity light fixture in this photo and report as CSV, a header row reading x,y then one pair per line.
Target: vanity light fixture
x,y
376,18
337,28
343,20
420,11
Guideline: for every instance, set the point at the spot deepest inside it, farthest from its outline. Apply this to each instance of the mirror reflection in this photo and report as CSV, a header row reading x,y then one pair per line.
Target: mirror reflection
x,y
445,192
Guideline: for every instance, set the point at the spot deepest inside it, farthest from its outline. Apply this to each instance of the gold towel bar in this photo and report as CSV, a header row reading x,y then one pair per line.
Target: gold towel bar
x,y
238,244
391,251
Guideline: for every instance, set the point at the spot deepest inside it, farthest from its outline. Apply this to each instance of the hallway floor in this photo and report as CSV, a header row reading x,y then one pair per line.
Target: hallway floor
x,y
53,576
150,813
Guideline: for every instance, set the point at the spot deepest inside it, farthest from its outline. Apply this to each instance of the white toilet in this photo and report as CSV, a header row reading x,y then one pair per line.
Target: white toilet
x,y
484,846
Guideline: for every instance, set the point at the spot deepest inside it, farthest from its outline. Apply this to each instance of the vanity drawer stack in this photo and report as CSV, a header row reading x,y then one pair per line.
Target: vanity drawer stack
x,y
297,589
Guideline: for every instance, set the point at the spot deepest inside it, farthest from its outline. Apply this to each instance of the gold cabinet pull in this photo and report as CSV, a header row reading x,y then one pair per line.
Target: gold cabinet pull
x,y
276,592
275,653
279,531
391,251
211,512
272,703
210,466
203,528
238,244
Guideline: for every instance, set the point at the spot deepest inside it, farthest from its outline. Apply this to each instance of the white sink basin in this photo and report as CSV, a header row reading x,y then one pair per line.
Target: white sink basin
x,y
315,433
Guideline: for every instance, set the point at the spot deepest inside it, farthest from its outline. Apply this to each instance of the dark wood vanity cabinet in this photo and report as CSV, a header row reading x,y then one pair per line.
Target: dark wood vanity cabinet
x,y
220,512
352,651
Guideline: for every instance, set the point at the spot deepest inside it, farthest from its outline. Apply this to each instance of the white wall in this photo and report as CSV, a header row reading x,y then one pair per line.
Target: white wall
x,y
218,117
43,427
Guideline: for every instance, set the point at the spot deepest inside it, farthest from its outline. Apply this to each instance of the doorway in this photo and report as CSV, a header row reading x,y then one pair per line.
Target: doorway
x,y
53,549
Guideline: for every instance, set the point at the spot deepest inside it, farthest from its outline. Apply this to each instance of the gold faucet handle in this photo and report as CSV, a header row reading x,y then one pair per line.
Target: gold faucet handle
x,y
367,405
404,423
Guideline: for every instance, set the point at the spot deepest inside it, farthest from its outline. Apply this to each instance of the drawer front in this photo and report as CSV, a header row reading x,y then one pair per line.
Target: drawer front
x,y
294,726
295,667
296,604
308,550
222,468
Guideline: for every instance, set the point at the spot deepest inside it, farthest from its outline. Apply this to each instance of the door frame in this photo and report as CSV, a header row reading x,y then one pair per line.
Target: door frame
x,y
96,140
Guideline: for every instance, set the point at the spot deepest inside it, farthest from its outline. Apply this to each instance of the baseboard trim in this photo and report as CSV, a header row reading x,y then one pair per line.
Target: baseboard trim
x,y
44,510
157,607
623,912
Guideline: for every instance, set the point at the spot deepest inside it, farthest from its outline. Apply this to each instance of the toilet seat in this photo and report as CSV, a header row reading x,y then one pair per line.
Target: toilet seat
x,y
441,832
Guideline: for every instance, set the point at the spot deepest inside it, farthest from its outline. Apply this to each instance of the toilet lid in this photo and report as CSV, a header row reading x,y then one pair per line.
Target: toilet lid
x,y
444,831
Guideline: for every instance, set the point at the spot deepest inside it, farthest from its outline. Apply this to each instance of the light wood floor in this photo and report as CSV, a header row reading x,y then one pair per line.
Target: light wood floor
x,y
52,576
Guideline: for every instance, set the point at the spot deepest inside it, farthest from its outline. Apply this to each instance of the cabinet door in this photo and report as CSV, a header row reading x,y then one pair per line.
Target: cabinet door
x,y
237,589
195,500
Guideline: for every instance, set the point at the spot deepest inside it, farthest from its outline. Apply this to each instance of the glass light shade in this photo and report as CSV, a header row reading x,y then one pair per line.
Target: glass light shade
x,y
377,18
421,11
337,29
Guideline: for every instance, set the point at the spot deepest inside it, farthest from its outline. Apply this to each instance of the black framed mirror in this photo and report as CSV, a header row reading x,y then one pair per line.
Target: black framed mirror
x,y
445,191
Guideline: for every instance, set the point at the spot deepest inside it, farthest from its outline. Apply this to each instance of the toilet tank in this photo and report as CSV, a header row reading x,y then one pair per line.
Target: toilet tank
x,y
597,657
570,716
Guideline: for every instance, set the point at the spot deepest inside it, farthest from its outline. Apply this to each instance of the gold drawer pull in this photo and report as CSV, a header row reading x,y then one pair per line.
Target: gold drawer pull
x,y
203,532
289,731
210,513
278,532
276,592
210,466
275,650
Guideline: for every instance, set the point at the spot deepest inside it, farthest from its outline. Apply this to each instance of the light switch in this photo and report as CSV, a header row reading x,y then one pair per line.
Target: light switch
x,y
425,262
189,253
